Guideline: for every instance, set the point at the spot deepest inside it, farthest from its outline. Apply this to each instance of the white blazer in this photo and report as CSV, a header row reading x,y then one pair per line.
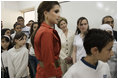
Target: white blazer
x,y
66,44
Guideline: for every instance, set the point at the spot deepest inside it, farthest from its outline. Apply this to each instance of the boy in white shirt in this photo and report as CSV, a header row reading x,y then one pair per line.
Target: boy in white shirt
x,y
98,45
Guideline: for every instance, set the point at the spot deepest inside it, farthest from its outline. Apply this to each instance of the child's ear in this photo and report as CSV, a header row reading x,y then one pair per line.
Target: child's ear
x,y
94,51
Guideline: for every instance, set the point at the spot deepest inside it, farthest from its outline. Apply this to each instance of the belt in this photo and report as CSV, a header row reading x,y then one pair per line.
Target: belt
x,y
57,63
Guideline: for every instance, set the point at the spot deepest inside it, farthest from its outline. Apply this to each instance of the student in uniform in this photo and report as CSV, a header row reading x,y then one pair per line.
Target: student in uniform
x,y
98,45
18,57
67,37
78,49
47,42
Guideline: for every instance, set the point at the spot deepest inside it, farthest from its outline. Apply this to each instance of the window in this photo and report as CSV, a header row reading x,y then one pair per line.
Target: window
x,y
30,15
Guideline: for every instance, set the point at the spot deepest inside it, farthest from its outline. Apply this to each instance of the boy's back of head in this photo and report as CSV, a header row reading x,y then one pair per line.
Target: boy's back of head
x,y
96,38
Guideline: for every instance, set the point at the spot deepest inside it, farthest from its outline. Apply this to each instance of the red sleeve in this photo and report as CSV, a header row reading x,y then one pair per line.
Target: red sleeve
x,y
47,54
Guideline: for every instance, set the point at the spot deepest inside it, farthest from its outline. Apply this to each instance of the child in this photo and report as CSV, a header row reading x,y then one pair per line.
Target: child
x,y
17,28
18,57
98,45
5,46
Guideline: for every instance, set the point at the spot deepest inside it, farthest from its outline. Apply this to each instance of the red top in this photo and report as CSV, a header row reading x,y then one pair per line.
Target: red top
x,y
47,47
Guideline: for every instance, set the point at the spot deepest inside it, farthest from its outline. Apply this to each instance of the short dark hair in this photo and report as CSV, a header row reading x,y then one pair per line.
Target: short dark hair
x,y
31,21
96,38
61,19
16,24
20,17
107,17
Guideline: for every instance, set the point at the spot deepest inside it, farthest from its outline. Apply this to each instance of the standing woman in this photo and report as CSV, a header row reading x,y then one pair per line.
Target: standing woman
x,y
47,43
78,48
67,38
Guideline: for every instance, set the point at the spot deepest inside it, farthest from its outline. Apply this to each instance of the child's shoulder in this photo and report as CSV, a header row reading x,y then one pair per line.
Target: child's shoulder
x,y
103,64
24,48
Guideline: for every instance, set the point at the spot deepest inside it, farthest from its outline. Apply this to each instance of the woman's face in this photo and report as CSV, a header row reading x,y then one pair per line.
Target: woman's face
x,y
63,25
83,26
53,15
35,26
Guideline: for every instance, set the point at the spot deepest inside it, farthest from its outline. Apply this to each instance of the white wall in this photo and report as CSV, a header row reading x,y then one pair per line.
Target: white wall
x,y
9,13
10,10
94,11
71,10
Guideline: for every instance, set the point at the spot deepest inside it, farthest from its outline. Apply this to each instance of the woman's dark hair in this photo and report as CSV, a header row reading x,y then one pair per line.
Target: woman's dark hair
x,y
7,39
96,38
78,22
4,30
44,6
31,29
19,35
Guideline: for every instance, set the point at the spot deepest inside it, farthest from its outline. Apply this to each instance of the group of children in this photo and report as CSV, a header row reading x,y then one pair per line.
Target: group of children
x,y
17,53
89,50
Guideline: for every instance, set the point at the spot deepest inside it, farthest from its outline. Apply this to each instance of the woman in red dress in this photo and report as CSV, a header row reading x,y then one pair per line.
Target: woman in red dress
x,y
47,42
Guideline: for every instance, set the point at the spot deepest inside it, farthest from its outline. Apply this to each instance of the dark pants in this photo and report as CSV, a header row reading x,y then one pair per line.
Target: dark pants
x,y
32,65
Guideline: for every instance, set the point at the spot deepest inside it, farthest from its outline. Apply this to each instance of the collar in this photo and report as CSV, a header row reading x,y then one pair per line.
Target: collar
x,y
88,64
46,25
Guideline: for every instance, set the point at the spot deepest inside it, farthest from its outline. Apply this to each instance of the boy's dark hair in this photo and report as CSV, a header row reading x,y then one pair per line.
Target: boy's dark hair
x,y
16,24
20,17
96,38
31,21
19,36
107,17
7,39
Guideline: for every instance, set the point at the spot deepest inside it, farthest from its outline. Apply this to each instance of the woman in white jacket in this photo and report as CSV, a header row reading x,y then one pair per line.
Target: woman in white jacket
x,y
67,38
18,57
